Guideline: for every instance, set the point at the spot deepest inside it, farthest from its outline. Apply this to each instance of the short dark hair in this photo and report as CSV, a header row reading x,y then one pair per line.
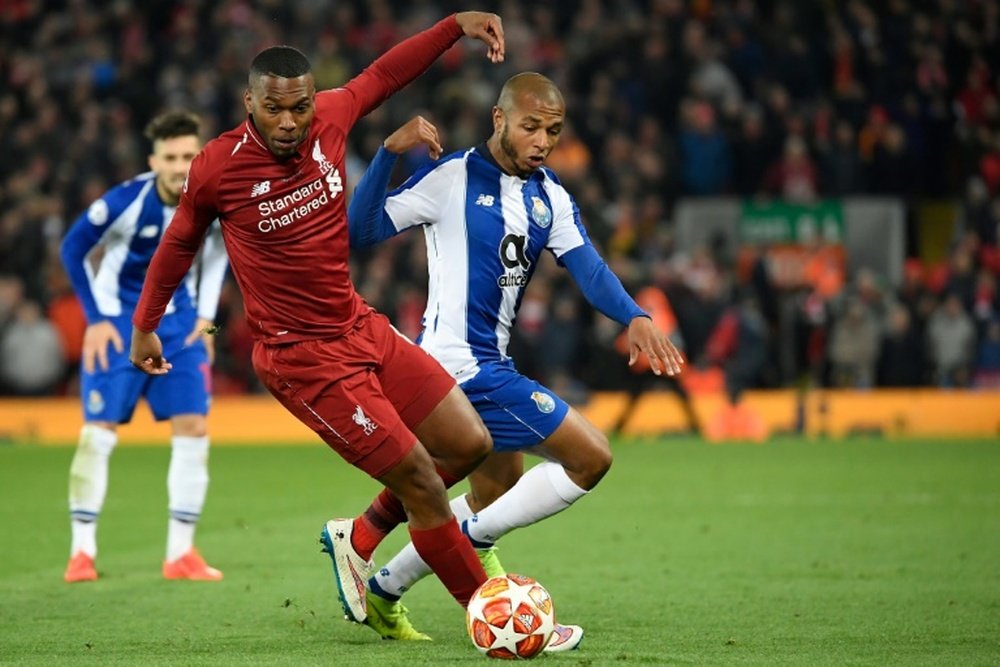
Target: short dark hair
x,y
284,61
173,124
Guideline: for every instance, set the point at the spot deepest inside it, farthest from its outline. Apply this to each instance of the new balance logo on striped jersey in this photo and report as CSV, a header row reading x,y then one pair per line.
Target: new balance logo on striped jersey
x,y
484,200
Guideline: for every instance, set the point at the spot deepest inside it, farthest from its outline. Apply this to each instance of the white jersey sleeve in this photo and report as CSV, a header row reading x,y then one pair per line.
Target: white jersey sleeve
x,y
214,263
420,199
567,229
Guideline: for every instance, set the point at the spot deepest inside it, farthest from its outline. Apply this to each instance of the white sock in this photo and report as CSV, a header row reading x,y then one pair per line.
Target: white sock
x,y
187,485
180,538
88,485
407,567
460,507
541,492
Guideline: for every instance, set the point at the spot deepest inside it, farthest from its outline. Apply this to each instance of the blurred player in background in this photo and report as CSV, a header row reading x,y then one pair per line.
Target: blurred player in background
x,y
488,212
276,184
126,225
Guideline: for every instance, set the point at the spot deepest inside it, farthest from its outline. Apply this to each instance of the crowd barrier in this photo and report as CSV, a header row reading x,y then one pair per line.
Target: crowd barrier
x,y
821,413
260,420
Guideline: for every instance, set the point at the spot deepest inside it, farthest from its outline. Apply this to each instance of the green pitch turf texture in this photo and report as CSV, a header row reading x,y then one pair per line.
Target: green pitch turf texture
x,y
861,552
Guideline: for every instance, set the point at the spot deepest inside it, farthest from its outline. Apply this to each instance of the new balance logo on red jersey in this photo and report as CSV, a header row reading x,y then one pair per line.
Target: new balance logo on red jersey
x,y
261,188
362,420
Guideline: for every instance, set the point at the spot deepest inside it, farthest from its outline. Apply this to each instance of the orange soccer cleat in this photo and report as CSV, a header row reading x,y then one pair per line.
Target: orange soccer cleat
x,y
80,568
190,566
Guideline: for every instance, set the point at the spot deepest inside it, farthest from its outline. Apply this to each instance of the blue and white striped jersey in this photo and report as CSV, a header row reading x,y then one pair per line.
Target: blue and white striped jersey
x,y
128,222
485,233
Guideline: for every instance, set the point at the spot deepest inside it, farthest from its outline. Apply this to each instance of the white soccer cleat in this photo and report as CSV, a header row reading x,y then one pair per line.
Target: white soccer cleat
x,y
564,638
350,570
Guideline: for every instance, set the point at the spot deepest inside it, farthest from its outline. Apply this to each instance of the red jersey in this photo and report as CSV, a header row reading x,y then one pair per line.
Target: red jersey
x,y
284,221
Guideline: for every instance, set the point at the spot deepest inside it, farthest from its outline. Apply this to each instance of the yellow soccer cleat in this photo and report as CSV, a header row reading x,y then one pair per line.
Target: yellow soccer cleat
x,y
389,618
491,562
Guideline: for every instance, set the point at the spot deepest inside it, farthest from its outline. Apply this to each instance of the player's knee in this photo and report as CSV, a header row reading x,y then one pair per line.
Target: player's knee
x,y
473,443
598,460
190,426
482,441
419,484
426,500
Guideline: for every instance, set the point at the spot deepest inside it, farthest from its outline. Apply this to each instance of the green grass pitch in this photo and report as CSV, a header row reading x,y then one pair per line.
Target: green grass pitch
x,y
861,552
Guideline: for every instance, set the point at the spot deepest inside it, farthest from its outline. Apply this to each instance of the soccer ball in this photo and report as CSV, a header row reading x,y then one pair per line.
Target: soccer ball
x,y
510,617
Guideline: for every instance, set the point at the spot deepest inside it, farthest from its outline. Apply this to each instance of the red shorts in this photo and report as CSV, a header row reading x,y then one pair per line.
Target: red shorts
x,y
362,393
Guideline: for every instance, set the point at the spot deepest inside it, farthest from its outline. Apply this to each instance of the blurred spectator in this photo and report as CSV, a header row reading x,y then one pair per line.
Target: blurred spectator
x,y
751,149
914,295
739,345
11,296
978,214
854,346
951,339
987,373
31,360
704,149
901,361
840,164
571,158
793,176
891,165
562,347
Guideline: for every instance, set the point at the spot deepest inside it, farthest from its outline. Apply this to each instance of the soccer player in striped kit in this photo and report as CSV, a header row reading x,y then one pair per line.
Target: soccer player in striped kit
x,y
128,222
488,212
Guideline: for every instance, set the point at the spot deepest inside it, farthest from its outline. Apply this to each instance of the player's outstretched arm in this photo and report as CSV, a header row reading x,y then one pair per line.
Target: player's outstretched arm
x,y
605,292
410,58
146,353
367,221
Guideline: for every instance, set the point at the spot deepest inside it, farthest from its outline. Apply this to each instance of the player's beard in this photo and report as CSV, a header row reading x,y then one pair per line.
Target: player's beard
x,y
508,149
171,196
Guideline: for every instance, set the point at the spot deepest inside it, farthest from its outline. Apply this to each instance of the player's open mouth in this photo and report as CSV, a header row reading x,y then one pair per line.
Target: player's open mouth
x,y
536,161
285,143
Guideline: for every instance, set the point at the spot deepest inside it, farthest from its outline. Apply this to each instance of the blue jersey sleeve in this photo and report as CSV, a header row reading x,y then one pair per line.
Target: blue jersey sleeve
x,y
367,221
85,233
600,285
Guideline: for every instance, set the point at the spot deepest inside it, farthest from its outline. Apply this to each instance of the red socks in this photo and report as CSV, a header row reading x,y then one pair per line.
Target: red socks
x,y
385,513
447,551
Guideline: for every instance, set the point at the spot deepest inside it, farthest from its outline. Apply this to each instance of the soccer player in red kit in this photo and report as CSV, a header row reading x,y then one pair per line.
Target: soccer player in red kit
x,y
275,182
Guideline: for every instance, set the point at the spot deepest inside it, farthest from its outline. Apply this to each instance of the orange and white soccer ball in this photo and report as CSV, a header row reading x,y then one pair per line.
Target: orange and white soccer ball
x,y
510,617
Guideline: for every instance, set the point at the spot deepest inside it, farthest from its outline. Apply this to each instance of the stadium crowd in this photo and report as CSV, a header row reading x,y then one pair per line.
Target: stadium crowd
x,y
794,100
